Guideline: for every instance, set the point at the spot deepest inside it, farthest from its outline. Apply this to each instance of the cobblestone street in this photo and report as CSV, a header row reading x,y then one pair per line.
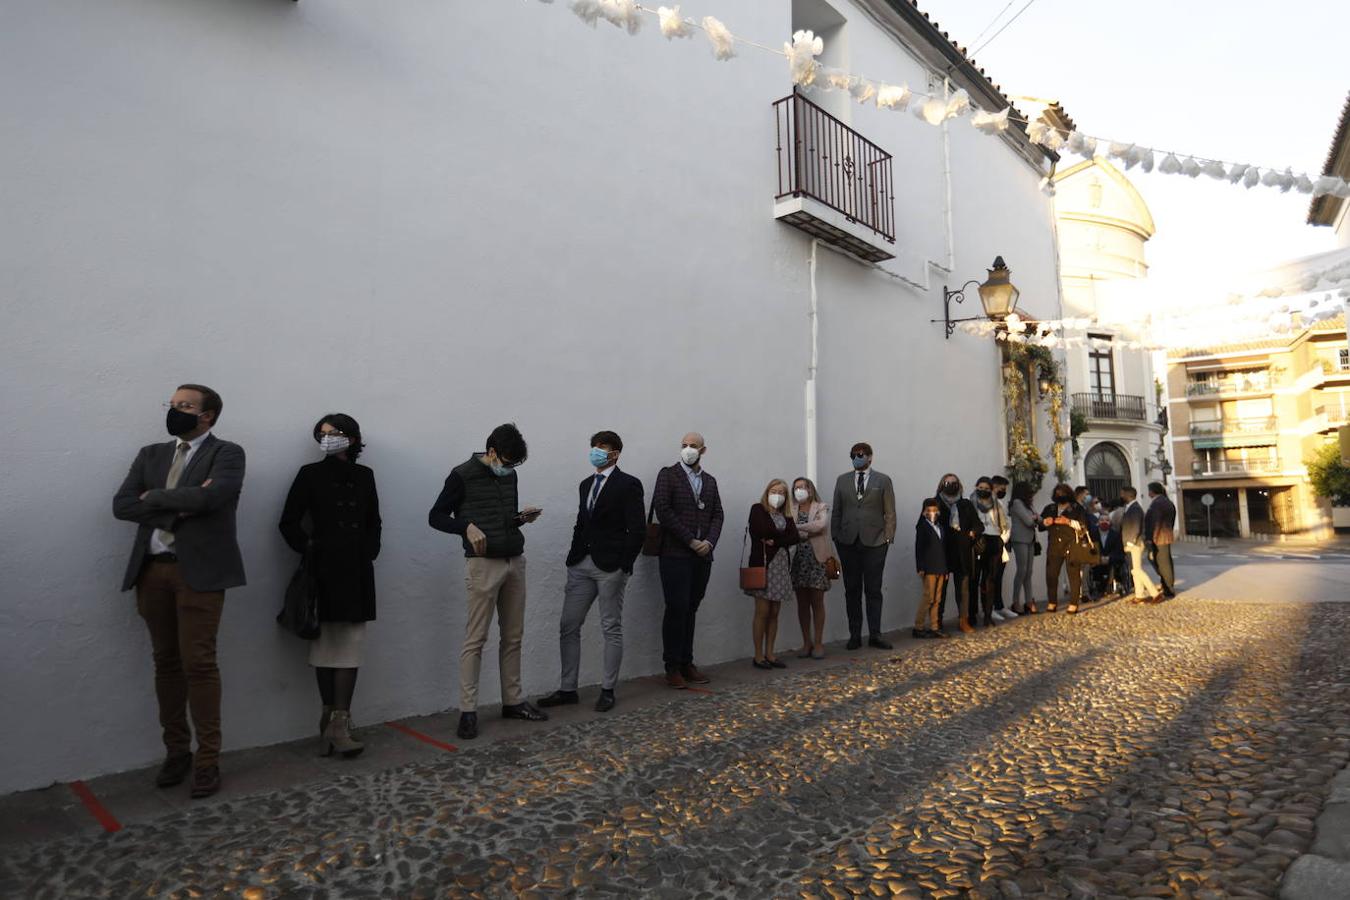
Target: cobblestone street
x,y
1178,750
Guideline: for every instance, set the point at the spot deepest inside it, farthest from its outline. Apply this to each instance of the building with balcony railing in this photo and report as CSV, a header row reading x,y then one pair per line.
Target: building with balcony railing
x,y
1103,227
360,185
1245,418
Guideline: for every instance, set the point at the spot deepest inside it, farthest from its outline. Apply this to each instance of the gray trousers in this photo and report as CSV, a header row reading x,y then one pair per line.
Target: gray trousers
x,y
585,583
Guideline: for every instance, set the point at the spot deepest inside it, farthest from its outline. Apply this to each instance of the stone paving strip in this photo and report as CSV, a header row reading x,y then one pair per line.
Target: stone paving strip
x,y
1180,750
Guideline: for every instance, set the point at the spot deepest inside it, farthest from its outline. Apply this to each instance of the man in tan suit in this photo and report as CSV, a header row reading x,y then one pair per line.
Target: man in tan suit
x,y
862,521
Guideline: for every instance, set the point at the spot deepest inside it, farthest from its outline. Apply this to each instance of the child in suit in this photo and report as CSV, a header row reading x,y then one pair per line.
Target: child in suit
x,y
930,557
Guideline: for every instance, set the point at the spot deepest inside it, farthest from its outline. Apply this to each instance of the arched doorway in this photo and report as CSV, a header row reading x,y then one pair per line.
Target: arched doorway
x,y
1107,471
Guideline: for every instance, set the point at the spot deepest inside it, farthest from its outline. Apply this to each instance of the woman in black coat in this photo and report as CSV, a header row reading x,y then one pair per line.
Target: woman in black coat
x,y
1065,521
771,531
338,499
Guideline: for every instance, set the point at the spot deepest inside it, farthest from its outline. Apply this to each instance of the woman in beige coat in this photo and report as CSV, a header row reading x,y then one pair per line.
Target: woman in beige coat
x,y
810,580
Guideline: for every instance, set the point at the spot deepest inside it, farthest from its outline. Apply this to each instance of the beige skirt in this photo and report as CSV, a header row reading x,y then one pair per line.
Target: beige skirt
x,y
340,645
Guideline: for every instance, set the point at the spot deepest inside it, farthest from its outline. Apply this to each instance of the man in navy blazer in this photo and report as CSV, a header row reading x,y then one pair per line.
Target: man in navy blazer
x,y
606,540
183,494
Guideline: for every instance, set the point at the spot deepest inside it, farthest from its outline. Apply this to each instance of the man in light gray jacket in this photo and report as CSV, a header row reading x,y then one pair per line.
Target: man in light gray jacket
x,y
862,521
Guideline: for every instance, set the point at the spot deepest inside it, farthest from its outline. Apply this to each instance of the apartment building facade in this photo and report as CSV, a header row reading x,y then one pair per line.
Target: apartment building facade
x,y
1244,418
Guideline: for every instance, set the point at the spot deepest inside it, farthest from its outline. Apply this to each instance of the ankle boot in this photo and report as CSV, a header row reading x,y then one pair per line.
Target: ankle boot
x,y
323,719
337,736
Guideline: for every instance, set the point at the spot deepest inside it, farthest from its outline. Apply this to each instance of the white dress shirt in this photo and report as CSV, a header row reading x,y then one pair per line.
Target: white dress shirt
x,y
157,544
603,475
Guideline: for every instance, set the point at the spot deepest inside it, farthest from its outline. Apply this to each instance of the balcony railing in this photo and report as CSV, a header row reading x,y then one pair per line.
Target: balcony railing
x,y
1264,425
1202,467
822,158
1335,414
1255,383
1125,407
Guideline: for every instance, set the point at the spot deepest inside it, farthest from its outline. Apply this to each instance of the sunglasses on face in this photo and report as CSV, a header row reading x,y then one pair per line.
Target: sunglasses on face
x,y
860,456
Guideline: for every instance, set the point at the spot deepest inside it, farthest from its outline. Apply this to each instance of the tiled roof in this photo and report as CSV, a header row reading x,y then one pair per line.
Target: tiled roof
x,y
959,56
1334,324
1320,211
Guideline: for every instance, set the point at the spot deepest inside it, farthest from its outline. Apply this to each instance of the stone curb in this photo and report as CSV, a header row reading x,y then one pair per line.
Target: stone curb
x,y
1324,871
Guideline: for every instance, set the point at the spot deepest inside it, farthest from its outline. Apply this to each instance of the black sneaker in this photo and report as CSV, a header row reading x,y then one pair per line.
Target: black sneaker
x,y
559,698
468,726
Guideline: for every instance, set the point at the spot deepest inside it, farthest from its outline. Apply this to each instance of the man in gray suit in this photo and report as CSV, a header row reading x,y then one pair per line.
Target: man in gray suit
x,y
183,494
862,521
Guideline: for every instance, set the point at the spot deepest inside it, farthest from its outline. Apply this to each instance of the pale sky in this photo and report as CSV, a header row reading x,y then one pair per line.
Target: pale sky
x,y
1243,81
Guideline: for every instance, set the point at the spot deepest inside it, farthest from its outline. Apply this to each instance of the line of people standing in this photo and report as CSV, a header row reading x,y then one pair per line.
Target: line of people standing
x,y
183,495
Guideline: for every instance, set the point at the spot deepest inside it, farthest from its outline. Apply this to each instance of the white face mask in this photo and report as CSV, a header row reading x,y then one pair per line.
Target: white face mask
x,y
801,494
776,500
690,455
334,443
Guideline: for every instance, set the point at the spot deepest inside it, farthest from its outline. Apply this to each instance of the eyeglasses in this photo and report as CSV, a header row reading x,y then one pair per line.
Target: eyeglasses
x,y
184,405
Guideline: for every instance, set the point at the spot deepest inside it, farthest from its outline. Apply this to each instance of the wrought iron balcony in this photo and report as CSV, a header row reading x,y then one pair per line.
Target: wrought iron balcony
x,y
833,183
1120,407
1201,468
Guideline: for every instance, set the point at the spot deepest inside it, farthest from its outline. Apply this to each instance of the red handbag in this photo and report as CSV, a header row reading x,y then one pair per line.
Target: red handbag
x,y
753,578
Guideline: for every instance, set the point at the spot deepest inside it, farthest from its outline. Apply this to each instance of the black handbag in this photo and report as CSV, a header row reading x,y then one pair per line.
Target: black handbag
x,y
1035,547
1085,551
300,609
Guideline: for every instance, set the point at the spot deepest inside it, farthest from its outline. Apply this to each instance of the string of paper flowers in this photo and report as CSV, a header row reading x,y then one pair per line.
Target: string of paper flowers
x,y
1257,316
808,73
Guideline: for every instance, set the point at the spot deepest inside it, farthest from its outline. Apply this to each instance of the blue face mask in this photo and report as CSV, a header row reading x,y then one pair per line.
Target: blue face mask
x,y
860,462
599,456
501,471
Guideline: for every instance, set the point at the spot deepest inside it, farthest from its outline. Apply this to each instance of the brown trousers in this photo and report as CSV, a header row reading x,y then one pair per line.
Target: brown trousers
x,y
927,617
183,624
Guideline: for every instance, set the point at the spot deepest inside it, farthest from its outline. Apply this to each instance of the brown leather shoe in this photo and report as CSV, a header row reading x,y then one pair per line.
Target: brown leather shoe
x,y
966,626
174,770
693,675
205,781
675,679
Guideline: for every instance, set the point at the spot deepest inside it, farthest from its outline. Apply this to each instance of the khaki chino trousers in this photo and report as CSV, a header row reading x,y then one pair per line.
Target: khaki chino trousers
x,y
492,585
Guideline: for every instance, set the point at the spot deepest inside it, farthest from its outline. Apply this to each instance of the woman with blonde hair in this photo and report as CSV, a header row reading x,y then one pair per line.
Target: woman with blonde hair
x,y
810,578
771,532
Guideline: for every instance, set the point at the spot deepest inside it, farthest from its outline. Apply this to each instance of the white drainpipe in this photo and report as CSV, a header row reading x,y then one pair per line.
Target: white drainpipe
x,y
811,372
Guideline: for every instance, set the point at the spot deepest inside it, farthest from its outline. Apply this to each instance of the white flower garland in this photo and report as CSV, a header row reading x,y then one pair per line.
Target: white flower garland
x,y
806,72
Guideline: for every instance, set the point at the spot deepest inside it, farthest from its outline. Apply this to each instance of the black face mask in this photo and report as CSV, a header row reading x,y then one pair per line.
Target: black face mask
x,y
950,490
1060,498
1001,494
983,494
180,423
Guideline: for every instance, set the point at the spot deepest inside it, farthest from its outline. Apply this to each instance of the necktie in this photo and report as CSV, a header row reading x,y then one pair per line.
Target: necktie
x,y
175,473
862,483
595,492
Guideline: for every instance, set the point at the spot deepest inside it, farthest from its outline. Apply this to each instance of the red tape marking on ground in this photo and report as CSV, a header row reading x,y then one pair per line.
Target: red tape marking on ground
x,y
424,738
657,679
96,809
